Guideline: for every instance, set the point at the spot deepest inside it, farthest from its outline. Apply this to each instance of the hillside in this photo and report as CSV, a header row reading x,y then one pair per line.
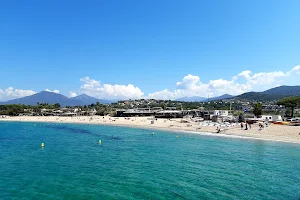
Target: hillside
x,y
272,94
224,96
284,91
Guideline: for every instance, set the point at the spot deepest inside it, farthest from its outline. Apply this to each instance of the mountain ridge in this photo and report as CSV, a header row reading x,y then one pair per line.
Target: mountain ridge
x,y
52,98
272,94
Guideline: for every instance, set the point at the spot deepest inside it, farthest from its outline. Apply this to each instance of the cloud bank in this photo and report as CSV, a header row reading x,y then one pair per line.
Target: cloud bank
x,y
107,91
190,85
245,81
11,93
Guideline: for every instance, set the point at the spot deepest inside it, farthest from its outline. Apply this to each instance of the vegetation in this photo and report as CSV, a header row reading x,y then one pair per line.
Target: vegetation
x,y
257,110
16,109
290,102
273,94
104,109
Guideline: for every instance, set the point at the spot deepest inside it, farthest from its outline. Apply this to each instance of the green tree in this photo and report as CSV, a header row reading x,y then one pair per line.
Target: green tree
x,y
57,105
290,102
257,111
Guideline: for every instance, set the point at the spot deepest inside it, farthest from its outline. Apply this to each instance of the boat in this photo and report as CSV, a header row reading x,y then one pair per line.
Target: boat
x,y
282,123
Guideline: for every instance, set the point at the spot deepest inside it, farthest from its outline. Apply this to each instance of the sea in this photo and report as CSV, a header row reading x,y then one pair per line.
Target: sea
x,y
133,163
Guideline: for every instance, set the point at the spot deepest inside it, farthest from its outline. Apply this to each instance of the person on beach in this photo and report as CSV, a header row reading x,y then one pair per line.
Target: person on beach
x,y
261,126
249,126
246,126
242,125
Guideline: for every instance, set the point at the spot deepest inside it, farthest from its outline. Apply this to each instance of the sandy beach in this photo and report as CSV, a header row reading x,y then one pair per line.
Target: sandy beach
x,y
282,133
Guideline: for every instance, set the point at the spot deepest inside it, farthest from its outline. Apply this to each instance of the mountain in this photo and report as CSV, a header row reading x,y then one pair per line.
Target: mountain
x,y
43,97
52,98
224,96
87,100
272,94
284,91
203,99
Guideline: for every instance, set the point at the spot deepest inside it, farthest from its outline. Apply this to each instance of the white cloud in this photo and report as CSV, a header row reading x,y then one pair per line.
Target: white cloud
x,y
261,77
95,88
238,84
265,78
295,70
245,74
190,85
164,94
72,94
188,82
11,93
55,91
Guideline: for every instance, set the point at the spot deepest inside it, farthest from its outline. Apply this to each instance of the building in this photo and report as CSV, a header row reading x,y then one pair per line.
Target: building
x,y
221,113
169,114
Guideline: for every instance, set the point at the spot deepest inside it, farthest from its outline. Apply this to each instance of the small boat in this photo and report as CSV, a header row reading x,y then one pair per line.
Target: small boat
x,y
282,123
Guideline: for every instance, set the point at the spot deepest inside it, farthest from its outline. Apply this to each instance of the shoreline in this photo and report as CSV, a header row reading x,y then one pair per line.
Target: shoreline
x,y
274,133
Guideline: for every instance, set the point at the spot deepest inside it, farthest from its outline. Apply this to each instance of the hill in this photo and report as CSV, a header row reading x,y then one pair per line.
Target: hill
x,y
284,91
224,96
52,98
272,94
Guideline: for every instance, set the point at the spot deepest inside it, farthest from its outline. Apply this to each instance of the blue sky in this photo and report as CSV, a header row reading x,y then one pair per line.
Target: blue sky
x,y
161,49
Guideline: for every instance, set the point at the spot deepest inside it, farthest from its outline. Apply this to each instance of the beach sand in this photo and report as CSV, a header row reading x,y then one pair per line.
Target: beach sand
x,y
282,133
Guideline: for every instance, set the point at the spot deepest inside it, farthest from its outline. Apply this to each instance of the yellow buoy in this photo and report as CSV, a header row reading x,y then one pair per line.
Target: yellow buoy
x,y
99,141
176,136
34,125
43,145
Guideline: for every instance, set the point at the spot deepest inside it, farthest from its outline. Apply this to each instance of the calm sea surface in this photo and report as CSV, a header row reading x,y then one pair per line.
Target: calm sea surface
x,y
134,164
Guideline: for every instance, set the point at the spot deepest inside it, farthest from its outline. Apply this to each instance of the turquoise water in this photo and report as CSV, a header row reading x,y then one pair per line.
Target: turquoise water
x,y
134,164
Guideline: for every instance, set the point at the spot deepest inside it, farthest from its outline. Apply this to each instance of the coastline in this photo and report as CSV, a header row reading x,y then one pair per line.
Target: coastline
x,y
275,133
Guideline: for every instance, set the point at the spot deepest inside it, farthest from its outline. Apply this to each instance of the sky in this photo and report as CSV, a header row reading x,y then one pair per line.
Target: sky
x,y
163,49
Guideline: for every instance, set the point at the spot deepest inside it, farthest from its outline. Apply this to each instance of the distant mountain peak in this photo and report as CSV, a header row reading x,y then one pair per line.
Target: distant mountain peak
x,y
83,95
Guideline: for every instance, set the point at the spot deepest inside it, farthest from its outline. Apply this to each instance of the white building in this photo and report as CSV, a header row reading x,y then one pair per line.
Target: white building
x,y
221,113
